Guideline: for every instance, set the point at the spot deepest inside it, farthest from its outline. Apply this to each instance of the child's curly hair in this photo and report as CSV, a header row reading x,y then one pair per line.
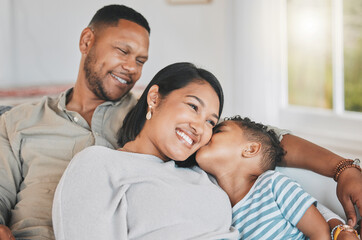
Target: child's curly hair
x,y
271,149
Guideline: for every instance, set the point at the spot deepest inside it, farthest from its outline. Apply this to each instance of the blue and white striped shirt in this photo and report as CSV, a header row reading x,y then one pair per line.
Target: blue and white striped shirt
x,y
272,208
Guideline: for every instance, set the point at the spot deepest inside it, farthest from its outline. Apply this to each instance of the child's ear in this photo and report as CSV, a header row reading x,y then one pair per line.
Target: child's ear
x,y
251,149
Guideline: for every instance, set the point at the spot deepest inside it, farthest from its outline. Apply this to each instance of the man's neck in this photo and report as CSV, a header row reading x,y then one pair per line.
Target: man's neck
x,y
83,102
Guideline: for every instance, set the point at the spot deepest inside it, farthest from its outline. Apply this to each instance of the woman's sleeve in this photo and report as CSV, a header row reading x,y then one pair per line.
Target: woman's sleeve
x,y
88,204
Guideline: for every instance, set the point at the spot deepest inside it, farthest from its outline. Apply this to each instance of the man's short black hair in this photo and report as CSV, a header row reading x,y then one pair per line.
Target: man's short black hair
x,y
111,14
271,149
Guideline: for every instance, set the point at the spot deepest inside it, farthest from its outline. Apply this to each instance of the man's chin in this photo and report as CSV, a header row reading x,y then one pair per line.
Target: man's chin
x,y
118,97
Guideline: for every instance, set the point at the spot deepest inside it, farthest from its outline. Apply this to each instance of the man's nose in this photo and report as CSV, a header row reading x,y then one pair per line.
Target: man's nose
x,y
130,65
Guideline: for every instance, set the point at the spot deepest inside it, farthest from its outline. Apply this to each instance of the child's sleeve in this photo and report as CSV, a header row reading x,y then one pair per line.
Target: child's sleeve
x,y
292,200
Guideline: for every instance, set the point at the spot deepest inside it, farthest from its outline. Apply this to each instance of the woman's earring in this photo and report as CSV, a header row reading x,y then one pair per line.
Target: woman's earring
x,y
149,113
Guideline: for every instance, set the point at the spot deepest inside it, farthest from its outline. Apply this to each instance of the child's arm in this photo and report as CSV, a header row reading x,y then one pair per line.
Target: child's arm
x,y
313,225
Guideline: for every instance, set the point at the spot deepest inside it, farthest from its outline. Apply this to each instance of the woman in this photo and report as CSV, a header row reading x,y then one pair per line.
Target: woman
x,y
137,192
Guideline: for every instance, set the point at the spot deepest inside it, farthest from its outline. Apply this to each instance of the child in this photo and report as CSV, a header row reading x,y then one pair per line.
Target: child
x,y
266,204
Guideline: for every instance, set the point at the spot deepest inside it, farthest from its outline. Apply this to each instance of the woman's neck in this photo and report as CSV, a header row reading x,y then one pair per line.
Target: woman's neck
x,y
142,145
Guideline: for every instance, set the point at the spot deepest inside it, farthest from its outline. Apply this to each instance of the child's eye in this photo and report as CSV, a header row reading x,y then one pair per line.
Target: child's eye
x,y
216,130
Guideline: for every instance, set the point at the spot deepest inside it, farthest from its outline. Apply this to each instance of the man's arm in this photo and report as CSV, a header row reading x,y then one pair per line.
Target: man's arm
x,y
10,178
301,153
5,233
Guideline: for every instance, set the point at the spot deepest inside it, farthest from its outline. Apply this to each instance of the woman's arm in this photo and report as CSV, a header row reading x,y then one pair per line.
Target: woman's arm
x,y
301,153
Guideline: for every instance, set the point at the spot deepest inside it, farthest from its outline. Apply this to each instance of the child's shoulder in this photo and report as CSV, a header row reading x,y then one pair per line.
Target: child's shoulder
x,y
274,174
274,177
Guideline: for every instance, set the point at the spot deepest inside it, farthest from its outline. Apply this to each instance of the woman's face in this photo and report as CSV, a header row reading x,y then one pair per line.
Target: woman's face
x,y
182,122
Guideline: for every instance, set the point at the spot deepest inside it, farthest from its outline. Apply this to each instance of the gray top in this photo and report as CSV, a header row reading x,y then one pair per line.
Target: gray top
x,y
37,141
109,194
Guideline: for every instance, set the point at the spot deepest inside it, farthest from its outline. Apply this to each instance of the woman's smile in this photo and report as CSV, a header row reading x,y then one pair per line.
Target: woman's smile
x,y
186,137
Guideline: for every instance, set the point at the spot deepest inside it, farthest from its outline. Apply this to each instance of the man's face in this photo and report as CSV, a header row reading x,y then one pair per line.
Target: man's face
x,y
114,63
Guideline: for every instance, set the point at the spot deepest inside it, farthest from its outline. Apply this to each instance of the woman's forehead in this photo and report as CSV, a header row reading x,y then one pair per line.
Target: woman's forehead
x,y
201,90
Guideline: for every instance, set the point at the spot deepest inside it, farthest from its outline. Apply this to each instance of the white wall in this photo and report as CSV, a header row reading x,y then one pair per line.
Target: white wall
x,y
41,38
6,45
258,60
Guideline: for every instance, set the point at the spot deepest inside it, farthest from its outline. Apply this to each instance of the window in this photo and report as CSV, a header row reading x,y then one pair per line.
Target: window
x,y
322,98
325,54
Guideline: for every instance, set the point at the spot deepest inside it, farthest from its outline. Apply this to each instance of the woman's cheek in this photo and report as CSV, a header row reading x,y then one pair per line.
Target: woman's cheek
x,y
207,136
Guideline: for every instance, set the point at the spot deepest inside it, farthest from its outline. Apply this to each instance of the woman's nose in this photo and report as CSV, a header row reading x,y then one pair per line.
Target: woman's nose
x,y
197,126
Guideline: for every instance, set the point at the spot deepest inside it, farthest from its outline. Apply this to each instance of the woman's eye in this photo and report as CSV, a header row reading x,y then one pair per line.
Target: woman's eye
x,y
193,106
212,123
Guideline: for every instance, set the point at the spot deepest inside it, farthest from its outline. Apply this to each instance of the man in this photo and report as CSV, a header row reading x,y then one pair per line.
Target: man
x,y
37,140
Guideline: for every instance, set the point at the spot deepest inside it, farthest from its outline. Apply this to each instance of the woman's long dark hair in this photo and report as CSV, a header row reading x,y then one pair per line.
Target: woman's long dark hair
x,y
170,78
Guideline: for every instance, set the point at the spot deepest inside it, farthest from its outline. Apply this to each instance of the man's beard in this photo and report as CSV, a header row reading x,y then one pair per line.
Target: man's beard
x,y
94,80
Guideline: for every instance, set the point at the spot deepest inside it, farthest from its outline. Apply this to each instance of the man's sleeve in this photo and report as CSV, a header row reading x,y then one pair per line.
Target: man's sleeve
x,y
291,199
328,214
10,173
279,132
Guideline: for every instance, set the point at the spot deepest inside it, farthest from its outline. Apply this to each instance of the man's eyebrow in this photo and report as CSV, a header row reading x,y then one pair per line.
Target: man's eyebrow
x,y
202,104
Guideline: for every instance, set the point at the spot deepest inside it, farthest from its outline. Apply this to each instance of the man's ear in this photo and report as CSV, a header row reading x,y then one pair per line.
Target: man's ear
x,y
86,40
153,96
251,149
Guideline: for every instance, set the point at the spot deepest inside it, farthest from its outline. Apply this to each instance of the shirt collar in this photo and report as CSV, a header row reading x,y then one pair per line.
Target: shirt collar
x,y
63,99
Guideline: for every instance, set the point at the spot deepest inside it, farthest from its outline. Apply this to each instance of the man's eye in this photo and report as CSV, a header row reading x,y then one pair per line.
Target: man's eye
x,y
140,62
122,51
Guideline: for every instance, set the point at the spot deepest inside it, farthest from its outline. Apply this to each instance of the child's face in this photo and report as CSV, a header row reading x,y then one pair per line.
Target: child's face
x,y
225,146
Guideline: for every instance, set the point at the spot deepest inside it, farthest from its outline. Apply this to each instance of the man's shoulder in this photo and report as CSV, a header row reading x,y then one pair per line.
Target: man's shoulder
x,y
33,105
129,99
122,107
30,110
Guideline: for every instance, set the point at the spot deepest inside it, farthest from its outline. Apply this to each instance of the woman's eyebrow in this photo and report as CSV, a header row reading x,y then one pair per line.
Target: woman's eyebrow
x,y
202,104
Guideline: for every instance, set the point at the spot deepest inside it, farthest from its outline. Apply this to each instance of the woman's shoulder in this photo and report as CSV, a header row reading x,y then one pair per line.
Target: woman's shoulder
x,y
97,156
94,151
92,155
